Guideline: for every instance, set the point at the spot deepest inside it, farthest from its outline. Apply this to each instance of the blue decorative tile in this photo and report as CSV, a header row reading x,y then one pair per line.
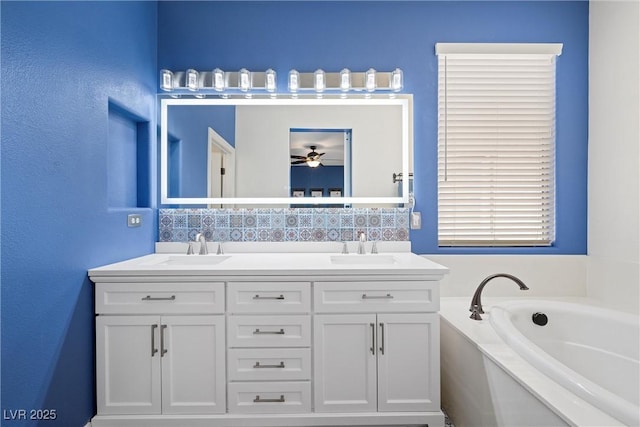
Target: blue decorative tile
x,y
283,224
249,220
277,235
264,234
292,220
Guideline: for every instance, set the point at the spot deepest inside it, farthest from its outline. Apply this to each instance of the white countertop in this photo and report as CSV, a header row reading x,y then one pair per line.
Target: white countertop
x,y
284,263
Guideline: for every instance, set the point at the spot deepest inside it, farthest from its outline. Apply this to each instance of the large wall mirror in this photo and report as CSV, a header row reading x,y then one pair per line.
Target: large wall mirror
x,y
294,152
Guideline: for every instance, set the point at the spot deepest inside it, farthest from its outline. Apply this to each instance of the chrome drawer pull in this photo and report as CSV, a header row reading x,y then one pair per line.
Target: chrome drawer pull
x,y
163,350
154,350
258,365
259,400
150,298
387,296
259,332
373,338
281,297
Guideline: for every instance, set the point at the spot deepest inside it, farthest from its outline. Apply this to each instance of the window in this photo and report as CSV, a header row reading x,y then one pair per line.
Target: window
x,y
496,144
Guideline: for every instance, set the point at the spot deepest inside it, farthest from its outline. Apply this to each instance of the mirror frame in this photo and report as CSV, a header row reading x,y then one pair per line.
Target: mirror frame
x,y
402,100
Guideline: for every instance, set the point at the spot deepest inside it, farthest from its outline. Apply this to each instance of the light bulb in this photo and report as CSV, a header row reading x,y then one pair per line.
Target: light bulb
x,y
218,80
313,163
345,80
319,80
244,80
397,82
166,80
370,80
192,79
270,80
294,81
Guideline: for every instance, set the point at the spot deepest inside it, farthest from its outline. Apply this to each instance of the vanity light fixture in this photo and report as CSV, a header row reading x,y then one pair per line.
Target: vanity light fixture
x,y
294,81
345,80
397,82
370,80
166,80
218,80
192,80
244,82
270,81
319,80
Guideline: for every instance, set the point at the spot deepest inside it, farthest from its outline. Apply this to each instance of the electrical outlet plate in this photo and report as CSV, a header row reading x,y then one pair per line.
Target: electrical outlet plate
x,y
416,220
134,220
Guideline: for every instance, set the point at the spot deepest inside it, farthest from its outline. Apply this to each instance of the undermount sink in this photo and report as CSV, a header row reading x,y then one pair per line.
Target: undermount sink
x,y
373,259
194,260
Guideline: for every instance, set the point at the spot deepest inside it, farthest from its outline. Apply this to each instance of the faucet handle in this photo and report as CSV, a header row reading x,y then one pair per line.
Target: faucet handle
x,y
475,313
374,247
220,251
190,249
345,249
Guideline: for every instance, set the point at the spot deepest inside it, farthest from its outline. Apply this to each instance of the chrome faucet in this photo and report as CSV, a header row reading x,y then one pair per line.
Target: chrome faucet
x,y
203,243
476,304
362,238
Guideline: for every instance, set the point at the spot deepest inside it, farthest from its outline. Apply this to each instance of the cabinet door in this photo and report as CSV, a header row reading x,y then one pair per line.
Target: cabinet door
x,y
408,362
193,374
345,363
128,365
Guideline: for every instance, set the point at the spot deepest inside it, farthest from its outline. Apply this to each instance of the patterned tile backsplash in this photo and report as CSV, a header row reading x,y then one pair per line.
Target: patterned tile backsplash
x,y
284,224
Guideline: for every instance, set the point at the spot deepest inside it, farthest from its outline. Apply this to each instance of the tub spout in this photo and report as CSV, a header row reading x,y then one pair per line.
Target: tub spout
x,y
476,303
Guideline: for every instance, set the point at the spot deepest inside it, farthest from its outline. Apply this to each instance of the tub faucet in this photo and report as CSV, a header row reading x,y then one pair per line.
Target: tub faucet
x,y
203,243
476,304
362,238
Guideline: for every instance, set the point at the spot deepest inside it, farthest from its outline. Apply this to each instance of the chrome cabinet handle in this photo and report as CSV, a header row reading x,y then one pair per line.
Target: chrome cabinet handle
x,y
260,400
150,298
387,296
154,350
258,365
163,350
381,338
373,338
281,297
259,332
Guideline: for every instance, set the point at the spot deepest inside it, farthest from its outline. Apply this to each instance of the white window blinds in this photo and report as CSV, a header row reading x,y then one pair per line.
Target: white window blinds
x,y
496,137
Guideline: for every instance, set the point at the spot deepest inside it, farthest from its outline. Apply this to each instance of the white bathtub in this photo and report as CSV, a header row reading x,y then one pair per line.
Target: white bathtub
x,y
591,351
579,369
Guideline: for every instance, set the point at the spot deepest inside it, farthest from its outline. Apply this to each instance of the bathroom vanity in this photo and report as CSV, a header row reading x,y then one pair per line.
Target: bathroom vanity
x,y
268,339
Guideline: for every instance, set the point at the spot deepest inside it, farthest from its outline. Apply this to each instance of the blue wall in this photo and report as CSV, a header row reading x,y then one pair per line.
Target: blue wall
x,y
62,64
389,34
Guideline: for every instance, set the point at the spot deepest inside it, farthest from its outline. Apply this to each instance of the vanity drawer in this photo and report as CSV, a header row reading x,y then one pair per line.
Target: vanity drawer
x,y
269,397
260,297
272,364
160,298
379,297
269,331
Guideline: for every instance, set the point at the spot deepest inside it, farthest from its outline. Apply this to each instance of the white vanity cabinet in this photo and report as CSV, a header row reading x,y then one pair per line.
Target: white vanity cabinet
x,y
267,341
386,357
159,363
